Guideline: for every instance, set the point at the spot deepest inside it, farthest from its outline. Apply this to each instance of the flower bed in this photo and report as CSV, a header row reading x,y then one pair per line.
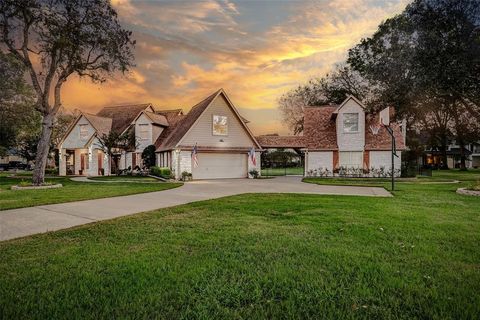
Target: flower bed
x,y
468,192
32,187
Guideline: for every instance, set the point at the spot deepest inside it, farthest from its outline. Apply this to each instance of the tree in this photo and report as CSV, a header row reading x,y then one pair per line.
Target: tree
x,y
16,102
148,156
426,62
332,88
114,143
66,37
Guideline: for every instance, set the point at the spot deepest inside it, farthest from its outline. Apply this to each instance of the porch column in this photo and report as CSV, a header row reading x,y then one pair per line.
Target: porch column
x,y
62,163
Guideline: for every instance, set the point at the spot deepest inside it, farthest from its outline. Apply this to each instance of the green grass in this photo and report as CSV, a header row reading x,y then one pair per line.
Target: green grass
x,y
413,256
71,191
281,171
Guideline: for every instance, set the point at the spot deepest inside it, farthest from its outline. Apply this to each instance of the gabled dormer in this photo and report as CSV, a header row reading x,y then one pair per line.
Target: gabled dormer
x,y
148,127
349,120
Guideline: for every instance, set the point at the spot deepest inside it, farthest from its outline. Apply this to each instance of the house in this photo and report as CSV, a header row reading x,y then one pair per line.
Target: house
x,y
432,156
221,136
344,136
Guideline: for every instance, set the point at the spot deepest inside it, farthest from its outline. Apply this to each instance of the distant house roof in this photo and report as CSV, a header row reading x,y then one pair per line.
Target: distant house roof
x,y
122,116
450,152
269,141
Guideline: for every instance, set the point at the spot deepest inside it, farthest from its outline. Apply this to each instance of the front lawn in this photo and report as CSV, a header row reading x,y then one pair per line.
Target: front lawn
x,y
412,256
71,191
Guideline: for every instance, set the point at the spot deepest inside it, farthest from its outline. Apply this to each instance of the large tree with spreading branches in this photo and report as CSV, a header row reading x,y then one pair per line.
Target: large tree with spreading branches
x,y
426,61
334,87
55,39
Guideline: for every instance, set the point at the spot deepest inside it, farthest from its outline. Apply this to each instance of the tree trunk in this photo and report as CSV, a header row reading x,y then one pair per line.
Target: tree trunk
x,y
43,149
443,150
463,165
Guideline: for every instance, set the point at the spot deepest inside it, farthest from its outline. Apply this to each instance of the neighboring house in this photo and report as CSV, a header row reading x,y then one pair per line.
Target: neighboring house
x,y
81,152
343,136
432,156
214,125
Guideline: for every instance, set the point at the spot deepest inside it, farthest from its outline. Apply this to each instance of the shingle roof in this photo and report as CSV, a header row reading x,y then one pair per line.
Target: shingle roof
x,y
320,133
122,116
281,141
319,129
168,140
382,140
101,124
157,118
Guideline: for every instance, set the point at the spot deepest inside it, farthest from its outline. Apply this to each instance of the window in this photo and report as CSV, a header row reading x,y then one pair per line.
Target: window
x,y
350,122
143,131
220,125
84,131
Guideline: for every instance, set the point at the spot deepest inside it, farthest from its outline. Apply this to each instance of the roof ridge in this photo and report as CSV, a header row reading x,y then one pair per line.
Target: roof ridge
x,y
128,105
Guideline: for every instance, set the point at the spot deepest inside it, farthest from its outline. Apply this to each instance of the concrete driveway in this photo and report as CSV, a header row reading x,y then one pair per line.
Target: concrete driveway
x,y
27,221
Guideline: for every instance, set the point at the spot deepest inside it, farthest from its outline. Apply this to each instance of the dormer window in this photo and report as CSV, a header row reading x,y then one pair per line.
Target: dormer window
x,y
84,131
350,122
143,131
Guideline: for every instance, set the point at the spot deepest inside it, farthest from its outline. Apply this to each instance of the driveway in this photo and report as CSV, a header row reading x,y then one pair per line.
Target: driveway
x,y
27,221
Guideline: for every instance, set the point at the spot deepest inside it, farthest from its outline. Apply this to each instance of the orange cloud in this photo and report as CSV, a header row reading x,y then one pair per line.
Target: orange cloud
x,y
188,49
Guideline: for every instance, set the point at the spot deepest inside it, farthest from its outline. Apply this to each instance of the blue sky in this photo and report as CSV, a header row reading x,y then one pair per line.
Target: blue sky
x,y
255,50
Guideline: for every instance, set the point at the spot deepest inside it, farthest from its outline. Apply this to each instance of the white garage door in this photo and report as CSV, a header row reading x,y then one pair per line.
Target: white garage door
x,y
220,165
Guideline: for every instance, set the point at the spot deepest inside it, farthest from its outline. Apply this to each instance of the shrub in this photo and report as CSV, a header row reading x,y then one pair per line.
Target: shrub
x,y
164,172
51,171
186,175
254,173
148,156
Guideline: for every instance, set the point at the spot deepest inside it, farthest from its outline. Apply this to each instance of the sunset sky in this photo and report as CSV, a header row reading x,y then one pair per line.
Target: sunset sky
x,y
255,50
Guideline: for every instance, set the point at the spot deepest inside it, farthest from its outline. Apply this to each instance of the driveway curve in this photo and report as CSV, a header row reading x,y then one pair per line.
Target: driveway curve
x,y
27,221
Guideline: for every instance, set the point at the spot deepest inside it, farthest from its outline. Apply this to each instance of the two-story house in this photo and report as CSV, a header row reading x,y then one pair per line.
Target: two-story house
x,y
81,152
344,136
221,138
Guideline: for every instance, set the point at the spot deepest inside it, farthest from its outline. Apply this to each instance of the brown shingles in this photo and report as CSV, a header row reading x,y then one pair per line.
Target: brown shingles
x,y
157,118
101,124
382,140
122,116
319,128
295,142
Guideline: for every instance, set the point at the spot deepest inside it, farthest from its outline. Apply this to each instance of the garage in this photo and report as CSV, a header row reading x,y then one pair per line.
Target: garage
x,y
221,165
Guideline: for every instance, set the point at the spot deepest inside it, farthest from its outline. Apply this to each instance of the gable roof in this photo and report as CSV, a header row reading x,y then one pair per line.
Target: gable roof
x,y
122,116
100,124
349,97
170,139
156,118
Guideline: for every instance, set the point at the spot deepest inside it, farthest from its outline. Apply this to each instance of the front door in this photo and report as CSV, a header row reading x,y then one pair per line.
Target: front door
x,y
70,162
82,163
100,163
